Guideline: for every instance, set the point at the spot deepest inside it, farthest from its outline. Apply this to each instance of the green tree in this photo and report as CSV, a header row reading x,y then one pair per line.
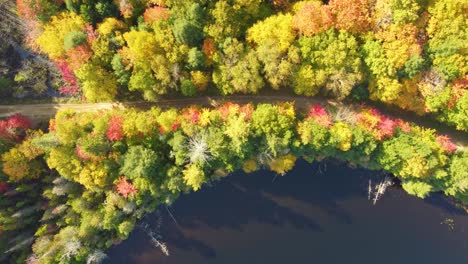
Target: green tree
x,y
331,62
140,162
237,69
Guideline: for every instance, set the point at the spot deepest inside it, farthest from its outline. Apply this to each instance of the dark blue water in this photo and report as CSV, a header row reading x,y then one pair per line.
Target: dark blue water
x,y
303,217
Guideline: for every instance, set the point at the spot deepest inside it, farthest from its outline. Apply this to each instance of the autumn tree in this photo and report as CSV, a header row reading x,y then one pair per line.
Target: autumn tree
x,y
447,37
275,52
155,59
51,41
312,18
97,83
352,16
330,62
237,69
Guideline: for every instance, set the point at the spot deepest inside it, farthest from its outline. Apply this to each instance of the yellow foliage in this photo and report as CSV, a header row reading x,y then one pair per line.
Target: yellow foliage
x,y
276,29
51,40
205,117
415,167
109,25
141,45
194,176
15,164
70,167
303,128
200,79
283,164
93,175
97,83
399,43
385,89
249,166
343,135
287,109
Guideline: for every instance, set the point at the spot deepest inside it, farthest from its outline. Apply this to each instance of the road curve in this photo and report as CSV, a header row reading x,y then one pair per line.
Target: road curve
x,y
45,111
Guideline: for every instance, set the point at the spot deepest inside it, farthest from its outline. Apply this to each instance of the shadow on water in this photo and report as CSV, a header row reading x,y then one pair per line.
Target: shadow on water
x,y
247,217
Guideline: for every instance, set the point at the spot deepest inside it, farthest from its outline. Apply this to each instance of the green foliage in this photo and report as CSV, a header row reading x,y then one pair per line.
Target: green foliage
x,y
195,59
73,39
95,190
188,88
417,188
241,46
448,37
331,62
139,162
238,69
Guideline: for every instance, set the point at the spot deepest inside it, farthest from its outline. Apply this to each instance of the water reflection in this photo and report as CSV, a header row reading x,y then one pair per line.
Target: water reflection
x,y
303,217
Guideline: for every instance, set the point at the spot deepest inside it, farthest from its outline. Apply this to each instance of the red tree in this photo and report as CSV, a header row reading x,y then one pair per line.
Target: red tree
x,y
77,56
386,127
19,121
125,188
319,115
192,114
446,143
115,130
248,110
69,77
14,126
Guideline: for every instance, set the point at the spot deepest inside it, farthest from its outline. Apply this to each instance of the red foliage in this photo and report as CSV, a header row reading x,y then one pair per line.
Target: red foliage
x,y
115,130
80,153
19,121
312,18
226,109
52,124
27,9
446,143
12,127
209,49
319,115
192,114
91,33
125,188
378,125
175,126
3,187
67,74
248,110
386,127
404,126
460,87
156,13
77,56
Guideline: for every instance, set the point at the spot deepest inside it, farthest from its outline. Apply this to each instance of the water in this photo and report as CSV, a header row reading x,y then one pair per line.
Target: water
x,y
303,217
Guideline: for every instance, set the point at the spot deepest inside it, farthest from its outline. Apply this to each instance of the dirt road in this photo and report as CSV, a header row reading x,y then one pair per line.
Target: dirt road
x,y
44,111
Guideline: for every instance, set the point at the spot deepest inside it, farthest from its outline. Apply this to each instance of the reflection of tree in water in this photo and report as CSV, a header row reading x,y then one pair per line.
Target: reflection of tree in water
x,y
240,199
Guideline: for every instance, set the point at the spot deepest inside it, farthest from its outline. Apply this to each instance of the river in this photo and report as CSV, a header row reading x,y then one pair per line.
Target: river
x,y
314,214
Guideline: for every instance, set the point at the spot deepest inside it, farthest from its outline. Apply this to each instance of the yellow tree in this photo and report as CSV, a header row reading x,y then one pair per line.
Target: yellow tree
x,y
194,176
97,83
51,41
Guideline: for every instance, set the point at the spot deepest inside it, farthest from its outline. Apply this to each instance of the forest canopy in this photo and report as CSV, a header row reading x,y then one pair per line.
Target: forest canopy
x,y
407,53
95,174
